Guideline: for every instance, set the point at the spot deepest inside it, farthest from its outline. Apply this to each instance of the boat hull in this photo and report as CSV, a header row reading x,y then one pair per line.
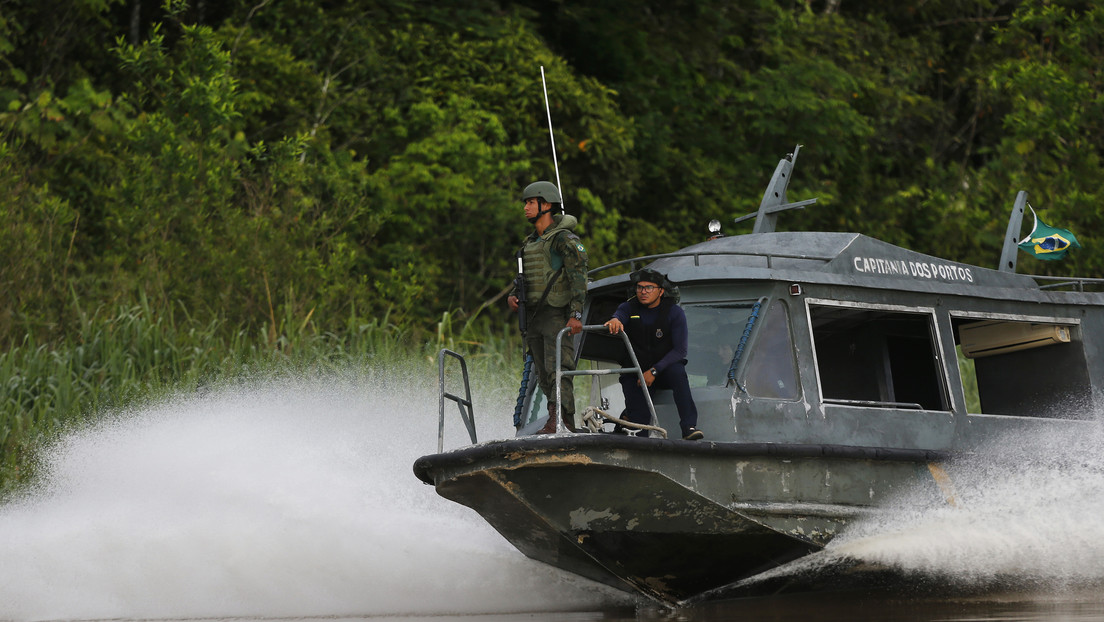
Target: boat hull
x,y
668,519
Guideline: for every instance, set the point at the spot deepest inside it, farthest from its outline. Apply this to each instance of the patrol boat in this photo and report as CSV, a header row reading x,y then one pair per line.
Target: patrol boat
x,y
831,371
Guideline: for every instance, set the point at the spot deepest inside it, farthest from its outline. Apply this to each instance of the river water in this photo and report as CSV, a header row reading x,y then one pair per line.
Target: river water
x,y
295,499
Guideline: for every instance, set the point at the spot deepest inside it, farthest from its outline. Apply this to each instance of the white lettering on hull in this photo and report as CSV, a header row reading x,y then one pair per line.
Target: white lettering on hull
x,y
916,269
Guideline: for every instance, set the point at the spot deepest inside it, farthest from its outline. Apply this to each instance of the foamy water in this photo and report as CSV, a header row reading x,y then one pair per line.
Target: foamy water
x,y
1025,523
1029,511
293,498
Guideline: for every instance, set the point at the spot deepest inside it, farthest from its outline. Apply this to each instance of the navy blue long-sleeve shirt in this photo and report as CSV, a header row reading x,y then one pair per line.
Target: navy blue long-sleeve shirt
x,y
676,327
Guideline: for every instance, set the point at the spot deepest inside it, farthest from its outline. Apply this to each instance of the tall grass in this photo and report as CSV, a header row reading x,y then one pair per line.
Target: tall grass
x,y
135,353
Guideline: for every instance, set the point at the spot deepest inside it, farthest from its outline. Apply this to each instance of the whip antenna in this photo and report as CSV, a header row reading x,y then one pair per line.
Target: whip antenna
x,y
552,138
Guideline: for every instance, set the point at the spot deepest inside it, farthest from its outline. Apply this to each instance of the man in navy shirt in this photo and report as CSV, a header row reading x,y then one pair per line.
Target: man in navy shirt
x,y
656,327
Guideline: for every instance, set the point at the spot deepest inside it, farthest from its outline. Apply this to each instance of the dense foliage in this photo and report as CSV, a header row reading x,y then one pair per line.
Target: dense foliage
x,y
269,161
277,167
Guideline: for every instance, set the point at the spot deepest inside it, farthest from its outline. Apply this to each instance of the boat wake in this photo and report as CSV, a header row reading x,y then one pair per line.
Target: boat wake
x,y
290,499
1027,514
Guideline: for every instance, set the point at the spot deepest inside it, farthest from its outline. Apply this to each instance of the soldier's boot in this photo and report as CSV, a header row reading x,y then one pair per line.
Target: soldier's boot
x,y
569,423
569,420
550,425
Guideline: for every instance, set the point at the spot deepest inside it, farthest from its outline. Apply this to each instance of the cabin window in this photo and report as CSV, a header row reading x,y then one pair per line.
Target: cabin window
x,y
877,358
1023,368
771,372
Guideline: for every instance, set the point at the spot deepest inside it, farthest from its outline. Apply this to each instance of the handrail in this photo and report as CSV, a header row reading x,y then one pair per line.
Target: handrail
x,y
560,373
743,341
466,415
1064,281
697,255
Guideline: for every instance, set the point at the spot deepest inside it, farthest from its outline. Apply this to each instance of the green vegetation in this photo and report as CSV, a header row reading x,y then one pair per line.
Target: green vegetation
x,y
137,354
194,190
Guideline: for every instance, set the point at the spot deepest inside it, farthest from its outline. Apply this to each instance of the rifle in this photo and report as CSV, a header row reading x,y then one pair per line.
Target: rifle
x,y
521,293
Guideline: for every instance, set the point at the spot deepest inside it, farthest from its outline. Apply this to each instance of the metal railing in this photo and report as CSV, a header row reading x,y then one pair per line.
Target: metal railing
x,y
1080,284
560,373
697,255
464,404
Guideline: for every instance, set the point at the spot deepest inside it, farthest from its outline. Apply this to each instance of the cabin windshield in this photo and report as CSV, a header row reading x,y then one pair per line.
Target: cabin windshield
x,y
771,369
878,358
714,334
715,330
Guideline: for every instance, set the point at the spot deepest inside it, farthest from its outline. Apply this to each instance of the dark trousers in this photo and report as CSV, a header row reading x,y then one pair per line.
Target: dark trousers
x,y
673,378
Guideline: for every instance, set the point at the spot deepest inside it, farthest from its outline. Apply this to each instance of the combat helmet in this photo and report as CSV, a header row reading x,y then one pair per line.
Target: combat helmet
x,y
545,190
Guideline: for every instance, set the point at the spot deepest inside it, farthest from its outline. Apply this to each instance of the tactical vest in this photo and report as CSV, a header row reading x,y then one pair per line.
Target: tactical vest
x,y
650,342
541,262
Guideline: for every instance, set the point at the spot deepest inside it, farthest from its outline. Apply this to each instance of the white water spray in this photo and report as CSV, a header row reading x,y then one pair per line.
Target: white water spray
x,y
1029,512
293,498
1027,517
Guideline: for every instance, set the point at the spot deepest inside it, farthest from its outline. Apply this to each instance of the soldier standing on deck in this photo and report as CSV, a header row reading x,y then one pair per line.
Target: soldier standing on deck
x,y
555,267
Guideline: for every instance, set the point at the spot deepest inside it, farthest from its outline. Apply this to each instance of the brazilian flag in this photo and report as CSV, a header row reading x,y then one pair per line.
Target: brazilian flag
x,y
1046,242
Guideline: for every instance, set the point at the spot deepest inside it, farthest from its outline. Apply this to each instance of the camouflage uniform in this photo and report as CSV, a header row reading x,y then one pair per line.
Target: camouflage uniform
x,y
558,244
